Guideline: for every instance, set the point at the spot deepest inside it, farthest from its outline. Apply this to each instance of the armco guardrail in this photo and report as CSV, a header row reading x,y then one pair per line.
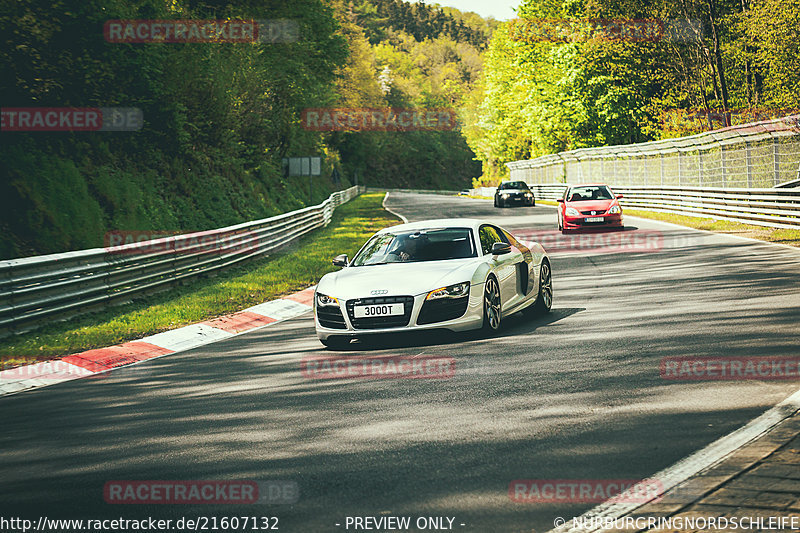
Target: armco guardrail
x,y
421,191
550,191
37,289
748,172
756,155
772,207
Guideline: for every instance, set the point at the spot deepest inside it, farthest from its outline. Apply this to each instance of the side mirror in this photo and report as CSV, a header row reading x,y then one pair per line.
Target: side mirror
x,y
560,200
340,260
501,248
619,196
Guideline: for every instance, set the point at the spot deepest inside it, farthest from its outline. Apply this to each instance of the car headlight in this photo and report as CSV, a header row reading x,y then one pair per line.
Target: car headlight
x,y
614,210
503,194
459,290
571,211
324,300
529,194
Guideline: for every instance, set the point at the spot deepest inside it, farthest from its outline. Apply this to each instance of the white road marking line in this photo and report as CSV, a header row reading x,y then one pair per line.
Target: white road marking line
x,y
696,463
395,213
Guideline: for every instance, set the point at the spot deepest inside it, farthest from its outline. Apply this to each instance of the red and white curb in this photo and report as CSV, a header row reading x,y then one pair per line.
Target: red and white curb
x,y
91,362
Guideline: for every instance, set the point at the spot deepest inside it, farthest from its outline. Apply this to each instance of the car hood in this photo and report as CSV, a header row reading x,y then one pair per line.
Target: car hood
x,y
512,191
591,205
397,278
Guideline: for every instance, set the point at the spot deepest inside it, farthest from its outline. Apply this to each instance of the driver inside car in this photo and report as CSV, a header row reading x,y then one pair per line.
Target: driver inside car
x,y
408,248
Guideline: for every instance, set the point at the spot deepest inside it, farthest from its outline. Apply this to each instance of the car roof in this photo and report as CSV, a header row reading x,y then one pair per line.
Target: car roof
x,y
570,185
437,223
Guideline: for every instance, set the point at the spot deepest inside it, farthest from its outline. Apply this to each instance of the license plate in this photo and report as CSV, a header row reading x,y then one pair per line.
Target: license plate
x,y
593,219
368,311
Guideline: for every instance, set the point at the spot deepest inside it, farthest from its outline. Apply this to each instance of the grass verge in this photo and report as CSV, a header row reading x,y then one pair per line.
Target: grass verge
x,y
296,267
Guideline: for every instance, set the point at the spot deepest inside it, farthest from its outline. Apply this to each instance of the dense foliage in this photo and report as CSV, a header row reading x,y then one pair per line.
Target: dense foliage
x,y
219,117
420,21
544,91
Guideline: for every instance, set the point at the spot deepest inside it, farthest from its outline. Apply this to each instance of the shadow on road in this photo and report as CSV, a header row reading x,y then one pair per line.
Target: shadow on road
x,y
515,324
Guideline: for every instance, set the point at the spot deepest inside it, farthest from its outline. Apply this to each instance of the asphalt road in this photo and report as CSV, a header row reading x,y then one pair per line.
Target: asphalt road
x,y
576,395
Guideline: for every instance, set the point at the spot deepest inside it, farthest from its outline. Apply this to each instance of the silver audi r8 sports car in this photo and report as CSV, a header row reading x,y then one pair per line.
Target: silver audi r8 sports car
x,y
454,274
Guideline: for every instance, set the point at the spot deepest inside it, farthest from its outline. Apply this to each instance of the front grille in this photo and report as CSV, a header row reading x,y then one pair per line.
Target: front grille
x,y
330,317
596,213
441,310
378,322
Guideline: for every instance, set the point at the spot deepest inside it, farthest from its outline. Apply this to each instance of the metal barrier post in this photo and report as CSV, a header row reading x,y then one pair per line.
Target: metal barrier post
x,y
776,168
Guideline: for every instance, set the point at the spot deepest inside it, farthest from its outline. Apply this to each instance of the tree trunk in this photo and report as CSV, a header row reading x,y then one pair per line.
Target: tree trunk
x,y
748,75
723,86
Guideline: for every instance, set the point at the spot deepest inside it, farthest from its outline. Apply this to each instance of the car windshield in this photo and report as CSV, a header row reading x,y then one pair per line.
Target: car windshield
x,y
415,246
592,192
513,185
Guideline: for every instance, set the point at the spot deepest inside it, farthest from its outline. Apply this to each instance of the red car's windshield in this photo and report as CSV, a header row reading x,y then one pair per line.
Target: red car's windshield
x,y
593,192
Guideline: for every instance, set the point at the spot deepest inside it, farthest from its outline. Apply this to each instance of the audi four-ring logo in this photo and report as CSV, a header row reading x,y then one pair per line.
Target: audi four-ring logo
x,y
378,291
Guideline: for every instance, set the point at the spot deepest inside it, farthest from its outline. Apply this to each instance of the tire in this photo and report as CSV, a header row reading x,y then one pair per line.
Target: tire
x,y
544,300
495,202
492,306
336,343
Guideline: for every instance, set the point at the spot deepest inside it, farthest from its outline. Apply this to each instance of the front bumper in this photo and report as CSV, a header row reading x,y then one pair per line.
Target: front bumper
x,y
516,200
609,221
421,317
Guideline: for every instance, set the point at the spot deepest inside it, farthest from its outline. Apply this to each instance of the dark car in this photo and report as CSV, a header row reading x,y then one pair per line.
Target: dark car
x,y
513,193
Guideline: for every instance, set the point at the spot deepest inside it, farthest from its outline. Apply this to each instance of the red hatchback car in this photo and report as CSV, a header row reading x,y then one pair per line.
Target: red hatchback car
x,y
589,206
